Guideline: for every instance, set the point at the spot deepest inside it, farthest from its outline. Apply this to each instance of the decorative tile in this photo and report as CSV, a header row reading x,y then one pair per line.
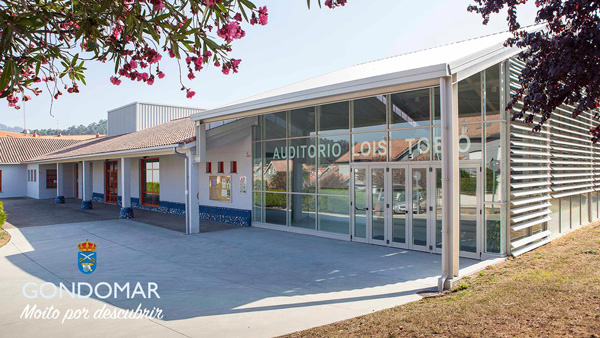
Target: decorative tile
x,y
226,215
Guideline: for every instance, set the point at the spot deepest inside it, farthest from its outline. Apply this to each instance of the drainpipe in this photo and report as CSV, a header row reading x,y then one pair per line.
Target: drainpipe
x,y
187,192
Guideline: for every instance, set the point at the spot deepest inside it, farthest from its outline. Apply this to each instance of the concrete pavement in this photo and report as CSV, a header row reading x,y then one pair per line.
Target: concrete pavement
x,y
243,282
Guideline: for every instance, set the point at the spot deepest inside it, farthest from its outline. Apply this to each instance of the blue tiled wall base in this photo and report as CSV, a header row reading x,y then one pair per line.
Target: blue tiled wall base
x,y
86,205
170,208
97,197
126,213
226,215
59,200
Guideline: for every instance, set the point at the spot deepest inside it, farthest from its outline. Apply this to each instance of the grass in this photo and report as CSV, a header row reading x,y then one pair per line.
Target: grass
x,y
4,237
553,291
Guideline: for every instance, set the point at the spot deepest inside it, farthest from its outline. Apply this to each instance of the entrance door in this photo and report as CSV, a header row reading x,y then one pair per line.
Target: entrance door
x,y
370,205
111,182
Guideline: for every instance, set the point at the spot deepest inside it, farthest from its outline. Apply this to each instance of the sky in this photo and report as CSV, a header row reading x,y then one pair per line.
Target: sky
x,y
297,44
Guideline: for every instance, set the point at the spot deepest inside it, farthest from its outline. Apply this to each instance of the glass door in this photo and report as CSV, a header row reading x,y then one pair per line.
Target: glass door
x,y
370,205
418,207
399,207
111,182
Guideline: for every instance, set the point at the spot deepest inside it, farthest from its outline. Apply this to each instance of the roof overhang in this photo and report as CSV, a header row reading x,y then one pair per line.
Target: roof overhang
x,y
155,151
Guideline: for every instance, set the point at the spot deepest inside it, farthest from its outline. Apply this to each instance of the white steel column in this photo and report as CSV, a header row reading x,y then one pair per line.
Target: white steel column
x,y
200,143
86,185
125,187
193,193
60,189
450,183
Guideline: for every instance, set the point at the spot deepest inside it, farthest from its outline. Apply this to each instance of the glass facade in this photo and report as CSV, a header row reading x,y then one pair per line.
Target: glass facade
x,y
305,161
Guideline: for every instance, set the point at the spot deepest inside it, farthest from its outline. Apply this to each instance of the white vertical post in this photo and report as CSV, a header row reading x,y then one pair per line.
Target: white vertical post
x,y
86,185
450,183
60,179
125,187
193,193
200,143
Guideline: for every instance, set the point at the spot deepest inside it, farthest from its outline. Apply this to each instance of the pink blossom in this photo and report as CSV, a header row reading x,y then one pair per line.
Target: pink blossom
x,y
263,16
161,75
210,2
133,64
238,17
191,76
115,81
150,80
190,94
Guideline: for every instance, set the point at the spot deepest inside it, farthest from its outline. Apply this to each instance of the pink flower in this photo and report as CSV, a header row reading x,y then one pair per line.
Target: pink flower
x,y
115,81
190,94
133,64
191,76
161,75
210,2
263,16
238,17
188,60
150,80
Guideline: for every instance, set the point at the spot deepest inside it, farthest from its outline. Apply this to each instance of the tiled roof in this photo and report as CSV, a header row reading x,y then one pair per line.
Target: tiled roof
x,y
67,137
170,133
20,149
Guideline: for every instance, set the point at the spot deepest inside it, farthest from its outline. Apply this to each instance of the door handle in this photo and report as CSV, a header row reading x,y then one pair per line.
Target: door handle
x,y
359,209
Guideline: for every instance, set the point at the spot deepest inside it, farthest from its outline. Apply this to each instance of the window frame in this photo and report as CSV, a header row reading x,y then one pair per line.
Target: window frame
x,y
51,184
143,182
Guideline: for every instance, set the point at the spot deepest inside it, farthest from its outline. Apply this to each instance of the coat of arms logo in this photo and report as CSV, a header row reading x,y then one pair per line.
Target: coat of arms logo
x,y
87,257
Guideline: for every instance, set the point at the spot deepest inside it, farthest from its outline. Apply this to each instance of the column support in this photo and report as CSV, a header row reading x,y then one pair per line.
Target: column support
x,y
450,183
86,185
125,187
60,178
193,193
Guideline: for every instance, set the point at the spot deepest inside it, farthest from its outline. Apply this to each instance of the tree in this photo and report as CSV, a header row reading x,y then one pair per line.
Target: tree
x,y
562,60
46,43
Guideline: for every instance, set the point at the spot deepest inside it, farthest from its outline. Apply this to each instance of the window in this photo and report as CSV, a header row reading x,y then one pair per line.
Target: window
x,y
209,167
29,174
220,167
150,182
233,167
35,175
51,179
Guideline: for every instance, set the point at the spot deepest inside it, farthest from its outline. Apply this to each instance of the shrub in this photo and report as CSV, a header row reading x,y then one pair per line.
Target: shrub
x,y
2,215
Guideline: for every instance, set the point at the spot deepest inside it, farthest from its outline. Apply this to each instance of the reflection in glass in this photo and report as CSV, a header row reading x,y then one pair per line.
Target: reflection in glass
x,y
257,207
275,166
302,164
378,203
468,209
369,113
410,145
492,228
469,99
334,214
360,203
410,109
565,214
399,204
436,145
275,208
492,93
334,171
469,141
575,211
302,122
334,118
554,223
437,109
257,130
438,208
369,147
303,213
275,125
493,163
257,166
419,206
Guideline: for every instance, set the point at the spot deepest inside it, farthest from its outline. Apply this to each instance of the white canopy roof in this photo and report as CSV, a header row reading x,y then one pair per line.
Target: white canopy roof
x,y
419,69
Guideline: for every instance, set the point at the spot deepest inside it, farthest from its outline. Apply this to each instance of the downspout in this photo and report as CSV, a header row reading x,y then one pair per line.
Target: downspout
x,y
187,192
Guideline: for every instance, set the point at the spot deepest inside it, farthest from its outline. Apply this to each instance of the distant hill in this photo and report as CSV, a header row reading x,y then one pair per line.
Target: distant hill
x,y
4,127
92,128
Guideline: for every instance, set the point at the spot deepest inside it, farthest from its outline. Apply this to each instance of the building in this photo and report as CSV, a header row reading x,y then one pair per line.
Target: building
x,y
415,151
16,180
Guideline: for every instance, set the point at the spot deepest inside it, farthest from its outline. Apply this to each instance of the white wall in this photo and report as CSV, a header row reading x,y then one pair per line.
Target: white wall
x,y
79,180
98,177
172,178
234,151
14,180
43,191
